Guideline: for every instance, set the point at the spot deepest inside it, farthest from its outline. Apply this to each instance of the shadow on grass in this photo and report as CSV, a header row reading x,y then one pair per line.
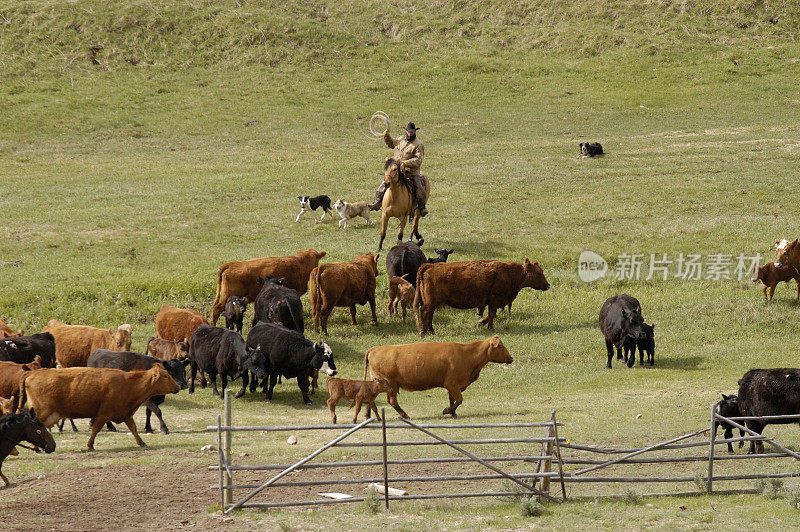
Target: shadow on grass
x,y
691,363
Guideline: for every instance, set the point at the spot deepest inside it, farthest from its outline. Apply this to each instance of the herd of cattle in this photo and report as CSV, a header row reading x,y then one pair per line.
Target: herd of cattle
x,y
77,371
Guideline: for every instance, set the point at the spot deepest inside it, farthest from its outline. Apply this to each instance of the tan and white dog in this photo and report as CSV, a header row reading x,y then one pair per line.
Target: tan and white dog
x,y
351,210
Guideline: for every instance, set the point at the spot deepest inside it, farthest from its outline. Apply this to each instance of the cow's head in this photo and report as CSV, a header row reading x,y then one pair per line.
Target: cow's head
x,y
177,370
370,259
534,276
161,383
183,349
121,337
7,405
316,255
323,359
254,361
238,303
788,253
442,254
497,352
271,279
631,324
381,385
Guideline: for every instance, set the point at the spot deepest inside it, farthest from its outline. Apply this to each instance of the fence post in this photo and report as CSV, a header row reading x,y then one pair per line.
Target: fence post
x,y
385,463
228,437
221,464
558,455
548,452
710,484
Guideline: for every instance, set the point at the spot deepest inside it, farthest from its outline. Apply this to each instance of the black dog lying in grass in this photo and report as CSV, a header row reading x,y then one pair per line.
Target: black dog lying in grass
x,y
590,149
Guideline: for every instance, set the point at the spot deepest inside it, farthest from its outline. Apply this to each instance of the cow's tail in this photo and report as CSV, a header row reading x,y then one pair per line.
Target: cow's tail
x,y
147,349
315,295
402,262
219,284
366,363
19,400
418,294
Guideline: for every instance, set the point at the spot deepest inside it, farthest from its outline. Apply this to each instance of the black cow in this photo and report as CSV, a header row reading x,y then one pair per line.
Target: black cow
x,y
620,320
442,255
405,258
290,355
219,351
769,392
646,345
729,407
277,304
130,361
23,349
235,307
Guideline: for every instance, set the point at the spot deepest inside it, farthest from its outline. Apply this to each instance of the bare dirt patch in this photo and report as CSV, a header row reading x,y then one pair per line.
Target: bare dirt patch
x,y
120,497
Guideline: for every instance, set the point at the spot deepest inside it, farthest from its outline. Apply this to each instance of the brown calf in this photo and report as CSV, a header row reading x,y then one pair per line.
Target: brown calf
x,y
10,374
770,275
178,324
343,284
74,343
101,394
167,349
357,392
241,278
402,291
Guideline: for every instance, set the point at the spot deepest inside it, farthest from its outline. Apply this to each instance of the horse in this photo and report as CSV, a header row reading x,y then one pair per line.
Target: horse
x,y
398,202
25,426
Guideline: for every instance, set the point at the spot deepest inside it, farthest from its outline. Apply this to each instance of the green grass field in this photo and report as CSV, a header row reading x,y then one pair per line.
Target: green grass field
x,y
125,184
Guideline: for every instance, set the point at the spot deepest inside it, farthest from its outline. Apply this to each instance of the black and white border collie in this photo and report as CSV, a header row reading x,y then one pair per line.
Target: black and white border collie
x,y
590,149
312,204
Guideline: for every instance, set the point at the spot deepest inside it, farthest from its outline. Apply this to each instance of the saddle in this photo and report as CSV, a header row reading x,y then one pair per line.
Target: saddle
x,y
407,182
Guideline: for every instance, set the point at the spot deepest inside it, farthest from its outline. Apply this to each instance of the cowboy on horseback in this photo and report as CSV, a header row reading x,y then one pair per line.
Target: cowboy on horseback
x,y
408,151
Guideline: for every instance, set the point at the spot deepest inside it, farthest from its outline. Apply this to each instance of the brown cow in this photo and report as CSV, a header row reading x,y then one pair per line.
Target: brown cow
x,y
74,343
167,349
178,324
357,392
240,278
10,373
101,394
402,291
472,284
8,332
426,365
770,275
343,284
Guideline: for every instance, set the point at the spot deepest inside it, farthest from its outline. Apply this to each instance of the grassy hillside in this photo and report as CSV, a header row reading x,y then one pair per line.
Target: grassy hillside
x,y
125,181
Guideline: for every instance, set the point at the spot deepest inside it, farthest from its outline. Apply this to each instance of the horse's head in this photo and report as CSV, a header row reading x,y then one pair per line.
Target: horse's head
x,y
391,171
36,433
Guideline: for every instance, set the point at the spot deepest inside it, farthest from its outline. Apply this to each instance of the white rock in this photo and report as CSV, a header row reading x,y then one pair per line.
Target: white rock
x,y
208,448
292,440
41,477
638,416
392,491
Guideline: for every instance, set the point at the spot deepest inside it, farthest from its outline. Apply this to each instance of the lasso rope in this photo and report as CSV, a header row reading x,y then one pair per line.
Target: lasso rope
x,y
375,123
